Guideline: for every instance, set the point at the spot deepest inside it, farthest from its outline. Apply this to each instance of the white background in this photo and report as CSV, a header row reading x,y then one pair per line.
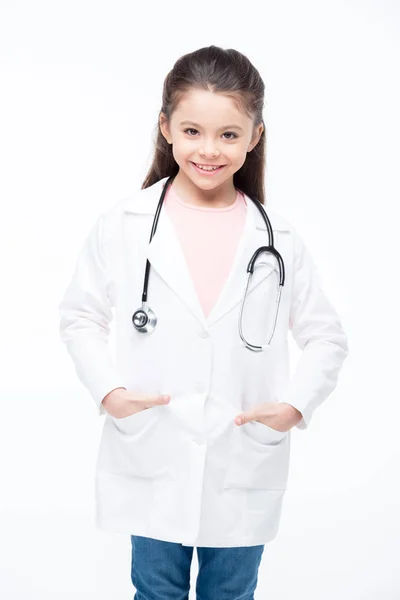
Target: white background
x,y
81,86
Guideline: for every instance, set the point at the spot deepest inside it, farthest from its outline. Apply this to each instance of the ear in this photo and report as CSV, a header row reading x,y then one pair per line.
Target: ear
x,y
164,127
256,137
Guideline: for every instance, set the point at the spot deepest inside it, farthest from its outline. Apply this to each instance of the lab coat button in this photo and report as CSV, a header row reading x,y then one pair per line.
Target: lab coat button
x,y
199,441
204,334
200,387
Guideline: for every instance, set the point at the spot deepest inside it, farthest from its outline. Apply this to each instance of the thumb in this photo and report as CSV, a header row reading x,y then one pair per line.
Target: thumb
x,y
245,417
149,400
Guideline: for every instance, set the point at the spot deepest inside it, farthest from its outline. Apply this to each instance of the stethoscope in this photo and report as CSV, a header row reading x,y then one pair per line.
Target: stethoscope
x,y
144,319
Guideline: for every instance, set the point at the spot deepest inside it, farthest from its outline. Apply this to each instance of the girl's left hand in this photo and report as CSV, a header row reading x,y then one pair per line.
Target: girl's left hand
x,y
277,415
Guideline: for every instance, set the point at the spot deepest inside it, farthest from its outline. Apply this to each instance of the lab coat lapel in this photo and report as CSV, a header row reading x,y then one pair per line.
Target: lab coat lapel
x,y
254,235
164,252
167,258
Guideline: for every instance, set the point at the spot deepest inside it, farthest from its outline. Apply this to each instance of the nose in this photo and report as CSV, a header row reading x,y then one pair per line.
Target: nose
x,y
209,151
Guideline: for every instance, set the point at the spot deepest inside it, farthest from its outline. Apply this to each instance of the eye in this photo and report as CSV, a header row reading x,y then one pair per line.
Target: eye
x,y
231,133
226,133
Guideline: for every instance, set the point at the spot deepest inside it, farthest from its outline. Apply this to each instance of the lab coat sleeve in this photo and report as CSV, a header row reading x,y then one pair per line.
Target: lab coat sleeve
x,y
85,313
318,332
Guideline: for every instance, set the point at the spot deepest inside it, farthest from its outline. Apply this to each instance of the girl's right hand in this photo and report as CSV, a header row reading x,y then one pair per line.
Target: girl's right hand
x,y
121,403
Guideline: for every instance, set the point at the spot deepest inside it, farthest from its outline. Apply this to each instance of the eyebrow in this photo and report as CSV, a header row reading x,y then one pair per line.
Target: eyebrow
x,y
199,126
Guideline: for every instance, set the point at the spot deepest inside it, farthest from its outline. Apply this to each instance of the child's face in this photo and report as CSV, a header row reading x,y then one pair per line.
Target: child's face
x,y
209,142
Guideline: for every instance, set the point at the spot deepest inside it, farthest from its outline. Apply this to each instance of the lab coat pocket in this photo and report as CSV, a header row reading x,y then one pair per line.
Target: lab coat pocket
x,y
265,433
258,458
135,423
139,445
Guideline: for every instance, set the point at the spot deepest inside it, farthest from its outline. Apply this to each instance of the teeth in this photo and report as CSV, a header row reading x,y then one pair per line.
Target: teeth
x,y
206,168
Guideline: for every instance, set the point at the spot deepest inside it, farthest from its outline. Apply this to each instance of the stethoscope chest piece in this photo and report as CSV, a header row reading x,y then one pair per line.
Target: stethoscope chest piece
x,y
144,320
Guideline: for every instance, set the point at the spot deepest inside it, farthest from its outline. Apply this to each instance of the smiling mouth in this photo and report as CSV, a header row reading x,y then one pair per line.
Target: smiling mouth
x,y
207,167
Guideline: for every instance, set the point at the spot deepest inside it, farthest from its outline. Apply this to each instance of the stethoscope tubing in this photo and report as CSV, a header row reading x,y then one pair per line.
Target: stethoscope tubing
x,y
145,320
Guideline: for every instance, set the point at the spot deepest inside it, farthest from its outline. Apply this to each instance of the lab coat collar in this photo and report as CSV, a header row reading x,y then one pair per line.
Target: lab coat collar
x,y
146,201
166,256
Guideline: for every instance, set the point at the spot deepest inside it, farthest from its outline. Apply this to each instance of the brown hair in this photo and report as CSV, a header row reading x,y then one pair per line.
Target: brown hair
x,y
228,72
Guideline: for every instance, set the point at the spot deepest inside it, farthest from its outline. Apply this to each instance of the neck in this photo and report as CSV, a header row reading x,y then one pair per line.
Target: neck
x,y
218,197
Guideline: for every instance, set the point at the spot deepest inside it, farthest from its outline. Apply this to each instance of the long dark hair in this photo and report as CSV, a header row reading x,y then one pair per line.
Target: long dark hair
x,y
228,72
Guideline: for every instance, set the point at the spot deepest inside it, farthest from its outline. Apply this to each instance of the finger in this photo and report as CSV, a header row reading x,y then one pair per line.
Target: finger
x,y
245,418
149,401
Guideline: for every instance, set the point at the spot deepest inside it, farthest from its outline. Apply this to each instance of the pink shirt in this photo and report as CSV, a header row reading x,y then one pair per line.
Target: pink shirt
x,y
209,238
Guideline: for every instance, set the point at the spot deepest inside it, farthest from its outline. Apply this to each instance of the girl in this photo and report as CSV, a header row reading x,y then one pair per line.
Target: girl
x,y
198,401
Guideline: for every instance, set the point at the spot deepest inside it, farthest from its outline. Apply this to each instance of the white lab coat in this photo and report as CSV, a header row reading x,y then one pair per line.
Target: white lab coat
x,y
185,472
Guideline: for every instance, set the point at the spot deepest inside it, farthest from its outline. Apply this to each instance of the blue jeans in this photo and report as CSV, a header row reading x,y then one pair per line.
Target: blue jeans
x,y
161,571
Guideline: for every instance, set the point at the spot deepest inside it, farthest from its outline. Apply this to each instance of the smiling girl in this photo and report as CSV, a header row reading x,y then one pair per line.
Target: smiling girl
x,y
196,442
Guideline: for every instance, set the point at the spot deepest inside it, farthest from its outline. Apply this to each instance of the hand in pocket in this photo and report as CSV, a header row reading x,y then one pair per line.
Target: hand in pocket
x,y
276,415
120,402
